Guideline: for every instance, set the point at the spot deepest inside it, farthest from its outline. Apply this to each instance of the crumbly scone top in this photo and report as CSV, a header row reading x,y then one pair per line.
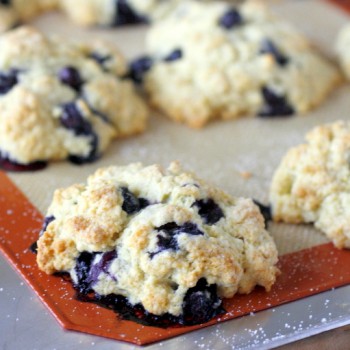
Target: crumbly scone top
x,y
312,183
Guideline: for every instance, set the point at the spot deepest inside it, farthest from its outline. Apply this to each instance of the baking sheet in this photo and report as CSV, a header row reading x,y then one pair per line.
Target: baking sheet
x,y
219,153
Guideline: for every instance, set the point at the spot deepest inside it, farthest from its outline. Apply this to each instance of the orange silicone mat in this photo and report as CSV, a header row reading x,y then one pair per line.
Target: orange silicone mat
x,y
304,273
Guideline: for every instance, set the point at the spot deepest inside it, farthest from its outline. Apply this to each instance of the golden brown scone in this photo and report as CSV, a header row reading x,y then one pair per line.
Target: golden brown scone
x,y
312,183
155,236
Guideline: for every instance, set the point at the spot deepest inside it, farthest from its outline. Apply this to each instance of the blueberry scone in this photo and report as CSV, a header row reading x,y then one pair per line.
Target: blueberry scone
x,y
164,240
217,60
88,12
343,49
312,183
61,100
120,12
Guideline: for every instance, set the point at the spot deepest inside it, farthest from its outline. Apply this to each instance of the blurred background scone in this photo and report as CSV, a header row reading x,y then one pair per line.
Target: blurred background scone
x,y
218,61
88,12
62,100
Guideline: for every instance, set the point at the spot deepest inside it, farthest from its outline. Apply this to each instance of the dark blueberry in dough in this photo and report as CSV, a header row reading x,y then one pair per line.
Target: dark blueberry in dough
x,y
72,119
82,270
46,223
70,76
132,204
8,80
166,240
265,211
275,105
210,212
269,47
201,303
10,165
139,67
230,19
100,59
174,56
189,228
5,2
167,237
126,15
91,157
102,265
34,248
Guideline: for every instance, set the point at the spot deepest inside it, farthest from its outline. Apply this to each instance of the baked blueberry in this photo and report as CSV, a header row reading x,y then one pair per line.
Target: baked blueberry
x,y
70,76
102,265
34,247
126,15
47,221
10,165
91,157
274,105
72,119
167,237
269,47
230,19
8,80
82,271
139,67
210,211
132,204
201,303
174,56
